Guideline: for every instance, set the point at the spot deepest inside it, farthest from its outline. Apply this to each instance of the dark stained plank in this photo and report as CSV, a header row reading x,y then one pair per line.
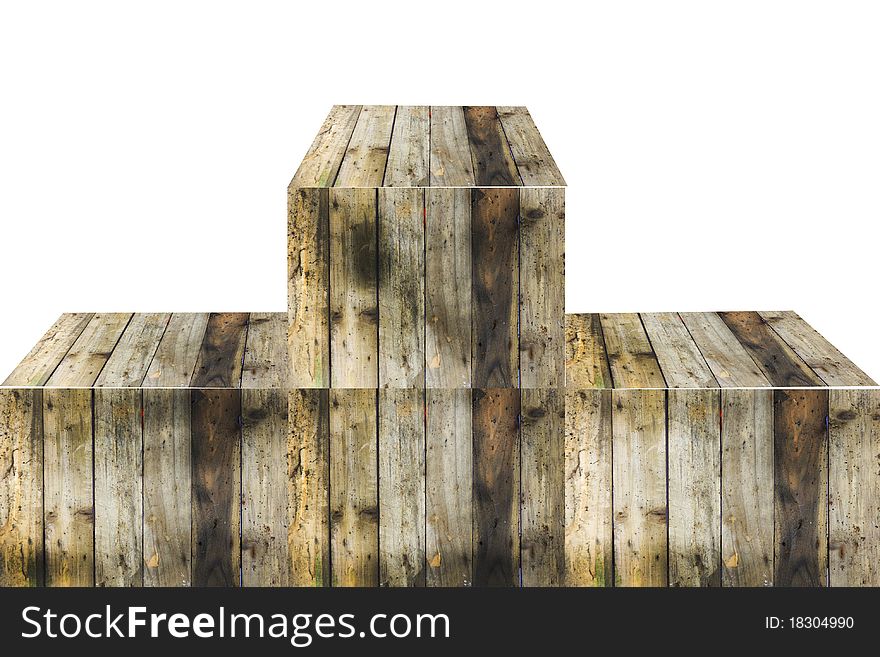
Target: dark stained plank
x,y
321,163
495,287
586,365
220,358
729,361
216,481
533,160
493,161
36,368
496,487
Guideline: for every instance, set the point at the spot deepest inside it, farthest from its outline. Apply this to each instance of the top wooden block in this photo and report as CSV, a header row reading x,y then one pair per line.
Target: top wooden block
x,y
419,146
774,349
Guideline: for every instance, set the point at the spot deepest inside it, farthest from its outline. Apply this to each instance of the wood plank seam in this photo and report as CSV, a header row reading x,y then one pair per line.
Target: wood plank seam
x,y
509,147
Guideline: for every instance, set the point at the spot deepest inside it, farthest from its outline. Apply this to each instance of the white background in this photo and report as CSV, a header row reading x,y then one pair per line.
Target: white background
x,y
718,155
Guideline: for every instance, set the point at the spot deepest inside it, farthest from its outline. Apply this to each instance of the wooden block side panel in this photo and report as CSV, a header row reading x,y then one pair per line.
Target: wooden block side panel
x,y
36,368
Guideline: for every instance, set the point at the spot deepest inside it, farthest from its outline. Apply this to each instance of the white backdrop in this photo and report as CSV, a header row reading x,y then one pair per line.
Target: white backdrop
x,y
718,155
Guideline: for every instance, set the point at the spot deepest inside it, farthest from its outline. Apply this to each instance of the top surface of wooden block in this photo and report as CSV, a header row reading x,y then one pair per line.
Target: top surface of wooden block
x,y
774,349
428,146
158,350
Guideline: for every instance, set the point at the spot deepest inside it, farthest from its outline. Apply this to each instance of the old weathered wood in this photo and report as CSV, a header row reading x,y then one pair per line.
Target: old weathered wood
x,y
308,286
542,287
588,513
533,160
727,358
68,485
167,481
354,311
321,164
542,487
639,493
747,487
367,153
854,487
88,355
21,486
451,163
801,482
680,360
409,154
495,279
586,365
493,161
36,368
175,359
630,355
127,365
449,487
448,288
401,226
402,487
496,487
220,358
216,487
265,356
354,502
118,487
308,463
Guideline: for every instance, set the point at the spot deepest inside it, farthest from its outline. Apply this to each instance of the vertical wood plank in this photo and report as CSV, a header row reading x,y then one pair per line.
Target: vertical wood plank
x,y
543,488
354,503
747,487
588,513
402,487
308,465
216,480
451,163
449,487
354,311
639,495
167,487
118,487
21,488
694,480
542,287
448,288
401,226
409,154
496,487
69,513
495,215
800,451
854,487
492,159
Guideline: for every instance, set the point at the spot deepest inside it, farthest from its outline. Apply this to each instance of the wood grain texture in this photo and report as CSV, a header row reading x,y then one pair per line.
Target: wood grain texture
x,y
68,488
367,152
694,485
265,355
747,487
588,513
321,163
175,359
854,487
409,154
36,368
308,463
493,162
402,487
801,482
216,487
630,355
88,355
586,365
681,362
220,358
167,480
496,487
542,487
449,487
821,356
354,309
729,361
127,365
448,288
542,288
533,160
308,286
451,163
401,226
354,501
639,494
779,363
495,315
118,487
21,488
